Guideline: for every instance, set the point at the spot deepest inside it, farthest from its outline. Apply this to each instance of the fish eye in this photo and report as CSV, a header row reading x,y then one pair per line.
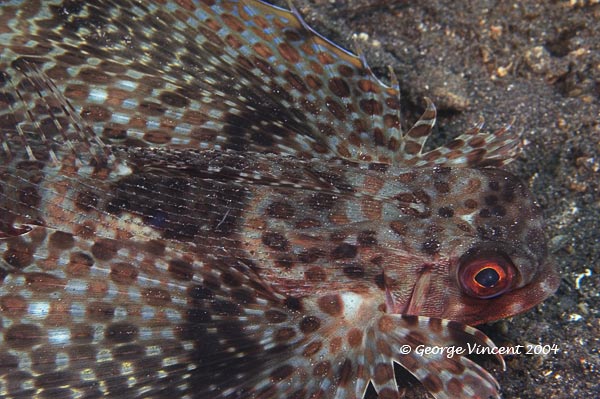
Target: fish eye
x,y
486,275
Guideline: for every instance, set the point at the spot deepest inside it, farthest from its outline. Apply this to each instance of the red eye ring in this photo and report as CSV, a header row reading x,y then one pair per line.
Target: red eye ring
x,y
486,275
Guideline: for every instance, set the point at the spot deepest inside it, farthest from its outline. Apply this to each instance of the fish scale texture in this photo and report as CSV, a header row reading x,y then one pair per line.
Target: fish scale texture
x,y
210,200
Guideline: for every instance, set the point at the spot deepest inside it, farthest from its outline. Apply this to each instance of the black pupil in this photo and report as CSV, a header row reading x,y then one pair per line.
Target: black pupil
x,y
487,277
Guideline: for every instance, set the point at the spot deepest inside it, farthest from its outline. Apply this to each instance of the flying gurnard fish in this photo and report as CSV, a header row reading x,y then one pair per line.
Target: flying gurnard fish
x,y
210,200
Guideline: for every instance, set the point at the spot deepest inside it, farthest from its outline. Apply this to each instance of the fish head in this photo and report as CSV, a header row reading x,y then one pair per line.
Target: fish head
x,y
472,248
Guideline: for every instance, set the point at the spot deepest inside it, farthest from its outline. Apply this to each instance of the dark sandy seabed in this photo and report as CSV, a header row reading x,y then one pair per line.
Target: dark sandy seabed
x,y
536,61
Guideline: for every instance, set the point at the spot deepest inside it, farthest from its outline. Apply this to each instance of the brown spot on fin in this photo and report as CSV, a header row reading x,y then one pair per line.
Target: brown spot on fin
x,y
39,121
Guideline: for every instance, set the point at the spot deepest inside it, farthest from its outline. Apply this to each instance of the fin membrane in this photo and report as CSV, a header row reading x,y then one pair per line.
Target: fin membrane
x,y
240,75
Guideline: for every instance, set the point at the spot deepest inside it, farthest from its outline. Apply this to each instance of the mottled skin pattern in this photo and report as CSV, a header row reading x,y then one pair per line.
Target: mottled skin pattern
x,y
209,200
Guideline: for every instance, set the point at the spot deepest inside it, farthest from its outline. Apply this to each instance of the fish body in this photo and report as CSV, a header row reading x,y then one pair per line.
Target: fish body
x,y
210,200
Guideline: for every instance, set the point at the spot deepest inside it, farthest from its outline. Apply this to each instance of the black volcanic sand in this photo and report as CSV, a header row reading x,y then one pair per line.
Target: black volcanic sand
x,y
536,61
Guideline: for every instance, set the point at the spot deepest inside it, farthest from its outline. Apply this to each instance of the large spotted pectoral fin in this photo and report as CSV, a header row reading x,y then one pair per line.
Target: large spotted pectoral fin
x,y
434,351
136,319
242,89
129,319
281,88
